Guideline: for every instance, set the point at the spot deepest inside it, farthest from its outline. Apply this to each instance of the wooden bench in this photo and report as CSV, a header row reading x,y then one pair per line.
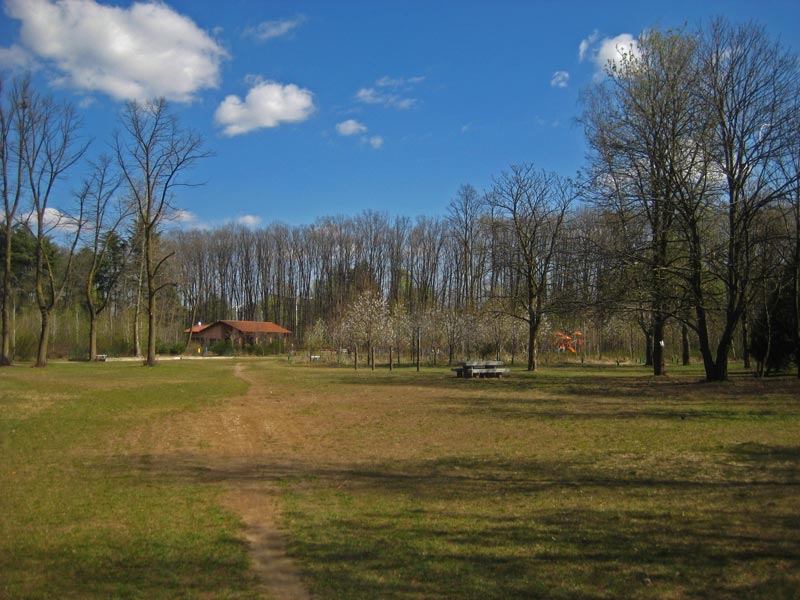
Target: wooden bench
x,y
481,369
101,357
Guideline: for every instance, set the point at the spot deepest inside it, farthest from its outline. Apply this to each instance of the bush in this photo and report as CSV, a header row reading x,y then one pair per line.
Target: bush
x,y
25,346
222,348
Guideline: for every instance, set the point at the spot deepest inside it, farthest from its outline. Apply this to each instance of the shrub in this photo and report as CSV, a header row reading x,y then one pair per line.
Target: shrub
x,y
222,348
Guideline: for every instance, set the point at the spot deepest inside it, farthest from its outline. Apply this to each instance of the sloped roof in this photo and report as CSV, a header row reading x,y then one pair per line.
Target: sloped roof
x,y
198,328
256,326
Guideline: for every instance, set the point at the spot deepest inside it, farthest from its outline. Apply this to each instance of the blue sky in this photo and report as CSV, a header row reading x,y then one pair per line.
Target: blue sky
x,y
323,108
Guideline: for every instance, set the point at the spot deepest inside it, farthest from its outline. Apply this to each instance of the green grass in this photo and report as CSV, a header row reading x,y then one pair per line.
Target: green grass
x,y
79,517
578,482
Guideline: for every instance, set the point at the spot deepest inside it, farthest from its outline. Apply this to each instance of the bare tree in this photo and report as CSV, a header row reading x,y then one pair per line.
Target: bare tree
x,y
646,130
530,207
105,213
50,148
13,127
750,83
464,215
154,152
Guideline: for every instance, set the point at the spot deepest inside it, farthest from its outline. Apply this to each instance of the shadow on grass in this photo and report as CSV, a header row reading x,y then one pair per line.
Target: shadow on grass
x,y
136,568
676,409
460,527
597,382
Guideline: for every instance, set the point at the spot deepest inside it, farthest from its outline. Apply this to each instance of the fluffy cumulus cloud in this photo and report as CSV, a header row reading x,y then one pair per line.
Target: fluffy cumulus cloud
x,y
560,79
607,51
350,127
142,51
267,104
274,29
376,142
392,92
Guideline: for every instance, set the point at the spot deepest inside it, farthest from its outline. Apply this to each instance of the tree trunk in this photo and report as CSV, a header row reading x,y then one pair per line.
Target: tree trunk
x,y
721,364
745,341
391,359
372,357
659,365
418,349
685,350
191,327
44,334
797,281
6,358
648,349
137,345
92,336
355,357
531,342
151,329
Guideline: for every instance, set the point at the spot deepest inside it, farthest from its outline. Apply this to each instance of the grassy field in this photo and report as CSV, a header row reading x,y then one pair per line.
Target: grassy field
x,y
575,482
77,517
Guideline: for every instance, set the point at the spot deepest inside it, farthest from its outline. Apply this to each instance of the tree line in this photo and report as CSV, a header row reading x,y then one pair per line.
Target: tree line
x,y
680,237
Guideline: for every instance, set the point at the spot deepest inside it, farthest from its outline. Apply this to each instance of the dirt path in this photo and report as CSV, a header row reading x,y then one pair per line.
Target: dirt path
x,y
255,502
230,443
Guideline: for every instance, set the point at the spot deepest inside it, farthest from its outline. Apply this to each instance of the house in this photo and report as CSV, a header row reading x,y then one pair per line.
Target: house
x,y
238,333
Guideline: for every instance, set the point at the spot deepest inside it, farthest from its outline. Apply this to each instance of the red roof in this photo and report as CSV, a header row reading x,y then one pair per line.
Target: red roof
x,y
256,327
244,327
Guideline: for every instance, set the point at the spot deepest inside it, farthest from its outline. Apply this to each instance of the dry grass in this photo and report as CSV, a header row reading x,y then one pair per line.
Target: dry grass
x,y
576,482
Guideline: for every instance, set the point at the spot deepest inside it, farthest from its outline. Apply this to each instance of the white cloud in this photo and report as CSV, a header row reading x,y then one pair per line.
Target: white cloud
x,y
391,92
369,95
184,217
586,44
274,29
54,221
350,127
608,51
143,51
611,50
15,57
396,83
560,79
187,220
267,104
250,221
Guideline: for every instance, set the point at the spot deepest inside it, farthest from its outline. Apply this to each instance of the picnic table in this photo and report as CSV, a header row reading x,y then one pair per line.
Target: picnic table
x,y
480,368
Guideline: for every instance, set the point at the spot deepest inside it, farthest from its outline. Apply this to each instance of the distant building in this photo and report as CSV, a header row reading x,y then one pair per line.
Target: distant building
x,y
238,333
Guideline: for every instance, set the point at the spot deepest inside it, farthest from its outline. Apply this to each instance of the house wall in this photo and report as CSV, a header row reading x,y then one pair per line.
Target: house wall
x,y
216,332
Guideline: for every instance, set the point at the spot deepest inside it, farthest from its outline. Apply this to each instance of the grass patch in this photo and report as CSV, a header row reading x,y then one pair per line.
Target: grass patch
x,y
575,482
78,519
